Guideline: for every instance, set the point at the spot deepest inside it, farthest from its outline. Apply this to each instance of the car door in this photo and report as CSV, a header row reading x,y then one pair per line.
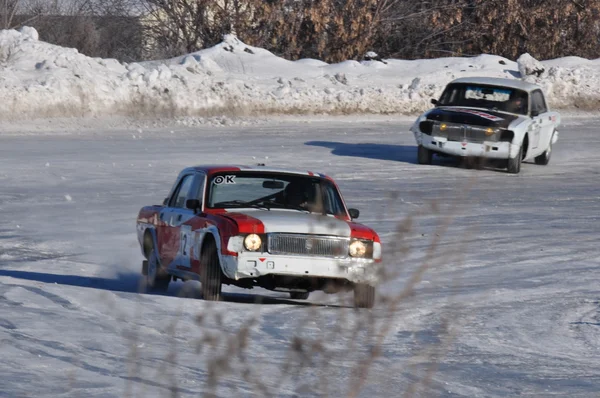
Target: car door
x,y
162,224
182,222
542,123
170,218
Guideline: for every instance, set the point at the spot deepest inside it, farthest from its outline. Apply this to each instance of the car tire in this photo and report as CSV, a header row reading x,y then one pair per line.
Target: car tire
x,y
299,295
210,278
364,296
157,280
544,158
514,164
424,155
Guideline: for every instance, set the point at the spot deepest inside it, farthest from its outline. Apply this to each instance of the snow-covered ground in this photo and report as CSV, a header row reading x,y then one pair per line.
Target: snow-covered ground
x,y
41,80
508,307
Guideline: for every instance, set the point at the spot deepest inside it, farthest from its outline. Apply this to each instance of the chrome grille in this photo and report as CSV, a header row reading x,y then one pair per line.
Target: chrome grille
x,y
307,245
456,132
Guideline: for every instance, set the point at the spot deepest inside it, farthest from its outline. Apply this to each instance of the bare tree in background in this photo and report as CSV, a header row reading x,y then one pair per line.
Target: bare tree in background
x,y
175,27
545,28
417,29
331,30
98,28
8,10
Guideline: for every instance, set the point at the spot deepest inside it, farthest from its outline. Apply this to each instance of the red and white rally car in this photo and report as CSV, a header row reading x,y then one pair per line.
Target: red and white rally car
x,y
246,226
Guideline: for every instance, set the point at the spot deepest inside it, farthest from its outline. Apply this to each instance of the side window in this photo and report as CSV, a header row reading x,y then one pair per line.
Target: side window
x,y
183,191
537,102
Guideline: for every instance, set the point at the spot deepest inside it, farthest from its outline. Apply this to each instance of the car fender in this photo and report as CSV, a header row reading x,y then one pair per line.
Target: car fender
x,y
214,231
143,228
415,128
520,128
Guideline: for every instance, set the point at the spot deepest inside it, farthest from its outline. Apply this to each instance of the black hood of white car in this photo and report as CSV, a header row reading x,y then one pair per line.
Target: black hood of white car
x,y
473,117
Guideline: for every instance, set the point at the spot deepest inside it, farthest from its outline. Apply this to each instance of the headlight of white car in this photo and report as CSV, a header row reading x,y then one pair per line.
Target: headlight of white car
x,y
359,248
252,242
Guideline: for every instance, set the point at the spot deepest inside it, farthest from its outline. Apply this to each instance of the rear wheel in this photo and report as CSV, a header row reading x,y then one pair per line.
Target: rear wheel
x,y
544,158
364,296
157,279
299,295
424,155
210,278
514,164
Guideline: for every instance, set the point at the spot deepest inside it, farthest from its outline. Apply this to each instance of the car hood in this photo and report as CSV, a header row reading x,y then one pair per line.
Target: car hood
x,y
474,117
291,221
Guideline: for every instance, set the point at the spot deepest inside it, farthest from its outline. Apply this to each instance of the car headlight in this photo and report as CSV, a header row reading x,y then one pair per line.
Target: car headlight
x,y
252,242
357,249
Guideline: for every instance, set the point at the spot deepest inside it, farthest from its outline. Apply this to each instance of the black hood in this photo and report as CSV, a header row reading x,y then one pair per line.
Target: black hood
x,y
472,117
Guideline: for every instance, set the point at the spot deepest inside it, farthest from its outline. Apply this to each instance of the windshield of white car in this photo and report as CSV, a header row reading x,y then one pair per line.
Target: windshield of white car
x,y
504,99
266,190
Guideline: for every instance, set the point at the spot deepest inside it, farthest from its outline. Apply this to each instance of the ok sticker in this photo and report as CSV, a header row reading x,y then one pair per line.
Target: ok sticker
x,y
229,179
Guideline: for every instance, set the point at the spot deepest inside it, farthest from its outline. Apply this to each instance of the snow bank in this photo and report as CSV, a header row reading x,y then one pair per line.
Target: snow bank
x,y
38,79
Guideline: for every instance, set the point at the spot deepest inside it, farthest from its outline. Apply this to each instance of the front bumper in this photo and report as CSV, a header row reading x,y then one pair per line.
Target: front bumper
x,y
254,265
486,149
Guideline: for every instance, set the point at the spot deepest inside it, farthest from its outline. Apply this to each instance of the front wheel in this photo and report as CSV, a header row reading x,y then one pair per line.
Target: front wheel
x,y
514,164
424,155
299,295
210,279
364,296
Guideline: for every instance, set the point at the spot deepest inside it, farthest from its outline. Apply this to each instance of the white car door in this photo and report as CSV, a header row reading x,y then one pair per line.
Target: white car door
x,y
535,131
544,126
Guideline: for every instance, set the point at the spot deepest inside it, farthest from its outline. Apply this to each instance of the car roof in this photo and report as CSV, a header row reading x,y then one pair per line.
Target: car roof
x,y
497,81
219,168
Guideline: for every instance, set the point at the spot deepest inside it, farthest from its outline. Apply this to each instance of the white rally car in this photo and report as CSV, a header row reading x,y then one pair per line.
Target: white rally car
x,y
491,118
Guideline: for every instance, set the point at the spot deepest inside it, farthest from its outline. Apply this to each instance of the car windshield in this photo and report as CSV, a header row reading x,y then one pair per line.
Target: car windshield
x,y
268,191
484,96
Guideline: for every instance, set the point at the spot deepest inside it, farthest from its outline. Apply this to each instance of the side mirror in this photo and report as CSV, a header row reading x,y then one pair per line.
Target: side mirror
x,y
193,204
434,101
535,113
165,201
354,213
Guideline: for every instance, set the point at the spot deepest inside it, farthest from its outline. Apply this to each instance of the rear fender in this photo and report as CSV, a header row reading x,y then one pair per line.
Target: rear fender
x,y
152,231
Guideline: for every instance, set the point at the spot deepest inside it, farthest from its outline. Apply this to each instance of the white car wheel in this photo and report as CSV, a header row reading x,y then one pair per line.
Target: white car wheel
x,y
299,295
424,155
514,164
544,158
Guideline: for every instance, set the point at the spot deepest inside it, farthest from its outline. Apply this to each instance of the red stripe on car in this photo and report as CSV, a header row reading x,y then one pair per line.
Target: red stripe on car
x,y
359,231
247,224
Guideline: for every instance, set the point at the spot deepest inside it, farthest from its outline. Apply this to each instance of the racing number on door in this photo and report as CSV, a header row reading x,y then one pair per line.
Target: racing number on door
x,y
185,242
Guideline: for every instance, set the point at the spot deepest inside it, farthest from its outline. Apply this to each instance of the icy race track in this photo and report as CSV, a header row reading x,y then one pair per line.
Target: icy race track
x,y
515,278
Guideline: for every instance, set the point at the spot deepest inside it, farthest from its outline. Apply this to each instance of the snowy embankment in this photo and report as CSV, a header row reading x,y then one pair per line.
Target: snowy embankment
x,y
38,79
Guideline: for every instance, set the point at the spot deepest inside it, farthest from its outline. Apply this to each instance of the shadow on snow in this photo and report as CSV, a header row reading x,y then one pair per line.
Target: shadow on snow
x,y
404,154
398,153
133,283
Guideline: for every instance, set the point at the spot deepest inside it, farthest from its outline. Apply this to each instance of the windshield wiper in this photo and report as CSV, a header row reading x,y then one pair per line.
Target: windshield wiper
x,y
240,203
